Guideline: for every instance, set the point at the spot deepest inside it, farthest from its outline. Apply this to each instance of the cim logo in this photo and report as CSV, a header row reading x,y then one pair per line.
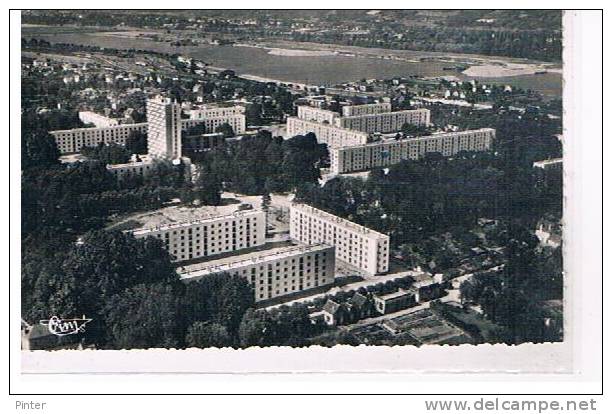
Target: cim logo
x,y
62,327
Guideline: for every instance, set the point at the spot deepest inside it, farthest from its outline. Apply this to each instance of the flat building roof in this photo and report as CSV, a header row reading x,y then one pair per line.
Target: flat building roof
x,y
242,213
347,223
249,259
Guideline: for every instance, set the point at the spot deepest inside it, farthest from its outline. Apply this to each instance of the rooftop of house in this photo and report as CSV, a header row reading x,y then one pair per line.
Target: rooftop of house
x,y
358,300
331,307
394,295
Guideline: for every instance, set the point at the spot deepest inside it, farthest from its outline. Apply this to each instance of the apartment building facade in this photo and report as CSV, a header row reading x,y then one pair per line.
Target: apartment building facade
x,y
213,117
210,236
164,128
142,166
385,122
326,134
214,111
237,122
316,114
70,141
277,273
356,245
367,109
382,154
100,121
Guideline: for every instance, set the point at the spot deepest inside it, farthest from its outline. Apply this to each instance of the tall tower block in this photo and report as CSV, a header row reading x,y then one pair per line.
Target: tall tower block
x,y
164,129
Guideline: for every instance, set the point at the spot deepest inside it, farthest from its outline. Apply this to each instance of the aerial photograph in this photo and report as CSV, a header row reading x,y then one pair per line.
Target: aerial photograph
x,y
291,178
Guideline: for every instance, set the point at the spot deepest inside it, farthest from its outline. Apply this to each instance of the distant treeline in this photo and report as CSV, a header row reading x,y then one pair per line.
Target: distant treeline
x,y
513,33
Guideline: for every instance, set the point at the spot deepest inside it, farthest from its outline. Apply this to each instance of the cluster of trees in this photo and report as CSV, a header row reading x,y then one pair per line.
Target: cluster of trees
x,y
263,164
442,252
513,298
521,138
137,143
226,129
285,326
130,290
415,199
107,154
112,153
81,197
38,148
414,130
536,44
60,202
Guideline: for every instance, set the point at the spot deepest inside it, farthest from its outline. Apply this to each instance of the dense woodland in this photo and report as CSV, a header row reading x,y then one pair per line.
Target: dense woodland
x,y
264,164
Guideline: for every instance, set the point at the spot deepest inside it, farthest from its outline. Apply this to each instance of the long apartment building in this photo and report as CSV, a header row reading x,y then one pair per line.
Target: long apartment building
x,y
210,236
310,113
163,117
385,122
326,134
356,245
237,122
99,120
214,116
276,273
214,111
366,109
70,141
382,154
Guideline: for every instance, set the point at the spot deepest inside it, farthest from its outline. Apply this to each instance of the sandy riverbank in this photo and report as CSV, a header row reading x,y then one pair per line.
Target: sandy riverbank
x,y
507,69
129,34
301,52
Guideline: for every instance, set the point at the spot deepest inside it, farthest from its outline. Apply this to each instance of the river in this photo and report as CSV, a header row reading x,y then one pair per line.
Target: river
x,y
321,70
